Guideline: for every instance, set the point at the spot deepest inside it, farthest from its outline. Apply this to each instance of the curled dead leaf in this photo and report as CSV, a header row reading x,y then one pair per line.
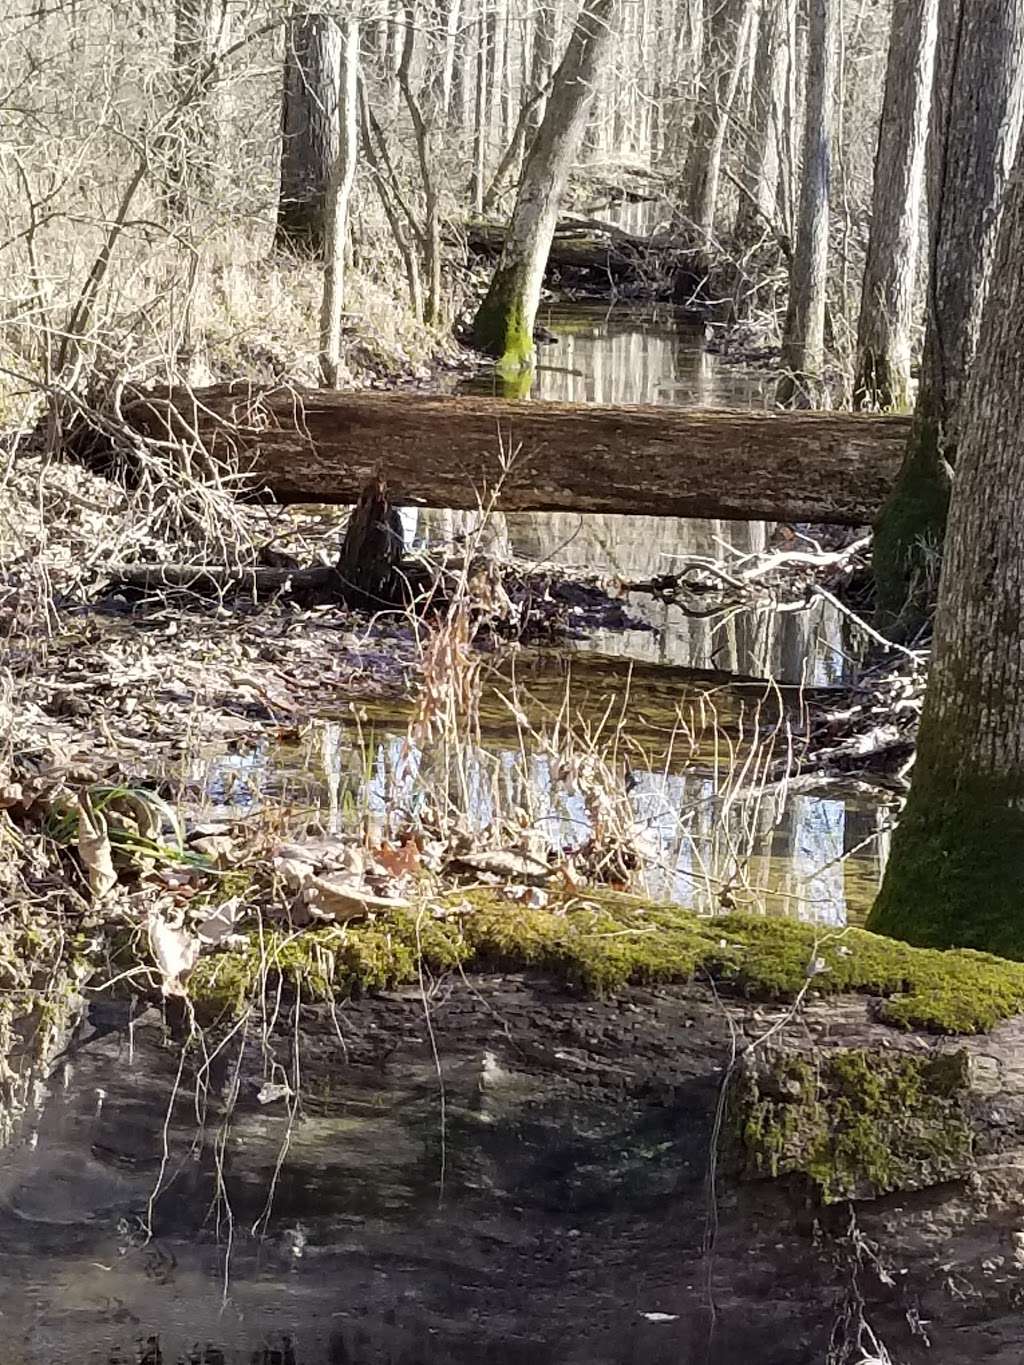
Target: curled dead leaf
x,y
94,849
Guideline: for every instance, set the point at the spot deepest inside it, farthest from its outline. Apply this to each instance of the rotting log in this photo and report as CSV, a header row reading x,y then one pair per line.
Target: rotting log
x,y
322,446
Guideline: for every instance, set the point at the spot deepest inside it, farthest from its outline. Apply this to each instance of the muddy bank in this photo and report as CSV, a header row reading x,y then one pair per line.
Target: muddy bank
x,y
493,1166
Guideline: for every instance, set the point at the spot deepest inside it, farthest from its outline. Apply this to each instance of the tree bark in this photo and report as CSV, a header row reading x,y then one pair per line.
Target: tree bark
x,y
339,192
309,131
975,125
200,32
803,343
882,375
503,326
956,872
322,446
758,207
725,39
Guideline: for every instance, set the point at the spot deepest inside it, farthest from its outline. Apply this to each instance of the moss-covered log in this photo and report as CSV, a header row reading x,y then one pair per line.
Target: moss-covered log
x,y
318,446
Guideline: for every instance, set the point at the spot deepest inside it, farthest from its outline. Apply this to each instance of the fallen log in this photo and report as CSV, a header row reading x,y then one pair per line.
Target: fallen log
x,y
320,446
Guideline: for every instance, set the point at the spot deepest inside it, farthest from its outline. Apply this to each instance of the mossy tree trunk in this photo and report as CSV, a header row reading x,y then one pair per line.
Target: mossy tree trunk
x,y
309,131
503,325
882,376
956,871
975,124
803,342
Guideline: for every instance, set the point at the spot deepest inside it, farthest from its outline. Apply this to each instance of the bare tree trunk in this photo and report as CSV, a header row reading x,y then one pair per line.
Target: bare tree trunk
x,y
758,207
309,131
542,64
725,40
803,343
503,325
200,33
339,192
423,110
478,178
882,374
975,125
955,875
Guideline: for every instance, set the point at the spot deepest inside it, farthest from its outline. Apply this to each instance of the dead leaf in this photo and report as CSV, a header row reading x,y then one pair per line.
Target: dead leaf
x,y
94,849
399,861
272,1091
11,794
220,923
507,863
343,900
175,952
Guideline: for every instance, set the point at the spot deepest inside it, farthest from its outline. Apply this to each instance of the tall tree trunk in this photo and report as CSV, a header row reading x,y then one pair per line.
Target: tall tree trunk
x,y
477,181
309,131
339,192
758,207
975,123
803,343
725,40
882,374
200,32
542,64
503,325
955,875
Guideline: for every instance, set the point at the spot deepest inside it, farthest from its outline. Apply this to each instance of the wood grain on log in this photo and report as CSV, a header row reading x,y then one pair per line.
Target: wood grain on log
x,y
321,446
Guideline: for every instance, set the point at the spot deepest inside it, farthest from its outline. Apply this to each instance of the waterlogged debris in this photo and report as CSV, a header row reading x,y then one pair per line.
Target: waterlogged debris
x,y
660,1317
94,849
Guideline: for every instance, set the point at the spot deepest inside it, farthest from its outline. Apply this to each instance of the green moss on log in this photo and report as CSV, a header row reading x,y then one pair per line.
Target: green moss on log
x,y
956,871
615,941
910,530
856,1123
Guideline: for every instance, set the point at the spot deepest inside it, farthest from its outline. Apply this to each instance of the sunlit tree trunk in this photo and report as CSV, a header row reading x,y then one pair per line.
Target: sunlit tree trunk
x,y
975,123
503,325
725,41
956,871
759,171
803,343
477,182
191,142
339,192
309,130
542,63
882,375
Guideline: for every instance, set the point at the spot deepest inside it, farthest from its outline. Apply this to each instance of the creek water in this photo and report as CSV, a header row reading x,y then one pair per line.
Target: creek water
x,y
470,1192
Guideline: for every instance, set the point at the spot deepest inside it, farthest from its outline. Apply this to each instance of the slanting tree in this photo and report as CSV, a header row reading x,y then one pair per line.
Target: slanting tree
x,y
309,130
955,874
503,325
882,374
975,124
803,341
339,192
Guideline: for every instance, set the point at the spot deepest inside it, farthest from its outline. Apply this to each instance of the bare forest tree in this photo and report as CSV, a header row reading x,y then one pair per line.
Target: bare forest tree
x,y
956,871
727,27
338,197
976,119
882,375
309,130
191,142
759,170
803,342
504,322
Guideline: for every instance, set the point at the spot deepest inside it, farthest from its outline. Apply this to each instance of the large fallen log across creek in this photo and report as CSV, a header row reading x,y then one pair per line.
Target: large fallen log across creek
x,y
321,446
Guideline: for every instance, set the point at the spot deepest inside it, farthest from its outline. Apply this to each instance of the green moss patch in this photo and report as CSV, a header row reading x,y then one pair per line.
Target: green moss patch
x,y
603,944
857,1124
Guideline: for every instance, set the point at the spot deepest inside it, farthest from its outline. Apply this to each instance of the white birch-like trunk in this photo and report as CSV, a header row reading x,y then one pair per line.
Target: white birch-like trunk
x,y
882,374
803,343
339,193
